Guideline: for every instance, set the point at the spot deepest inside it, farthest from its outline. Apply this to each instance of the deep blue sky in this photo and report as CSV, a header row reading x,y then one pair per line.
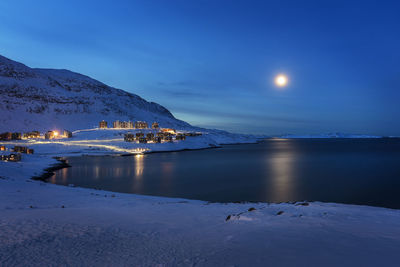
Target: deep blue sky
x,y
212,63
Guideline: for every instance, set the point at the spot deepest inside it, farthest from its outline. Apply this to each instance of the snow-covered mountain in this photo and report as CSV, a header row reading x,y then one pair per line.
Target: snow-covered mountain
x,y
44,99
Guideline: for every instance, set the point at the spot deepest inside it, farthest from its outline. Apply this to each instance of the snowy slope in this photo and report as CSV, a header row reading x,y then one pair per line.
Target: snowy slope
x,y
42,99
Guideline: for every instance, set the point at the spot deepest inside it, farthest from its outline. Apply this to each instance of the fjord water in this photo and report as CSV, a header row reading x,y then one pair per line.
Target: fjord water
x,y
355,171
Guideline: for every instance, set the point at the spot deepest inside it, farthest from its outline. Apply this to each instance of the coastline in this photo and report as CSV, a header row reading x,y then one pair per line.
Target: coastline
x,y
50,171
44,222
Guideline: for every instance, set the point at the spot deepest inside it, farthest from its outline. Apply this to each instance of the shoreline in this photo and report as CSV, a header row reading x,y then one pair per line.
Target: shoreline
x,y
50,171
61,164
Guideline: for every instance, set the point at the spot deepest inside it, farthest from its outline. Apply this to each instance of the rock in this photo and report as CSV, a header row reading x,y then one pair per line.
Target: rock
x,y
251,209
280,212
303,204
228,218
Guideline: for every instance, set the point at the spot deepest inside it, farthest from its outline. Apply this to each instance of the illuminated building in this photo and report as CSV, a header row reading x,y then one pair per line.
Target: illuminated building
x,y
23,149
16,136
180,137
33,134
154,125
11,157
6,136
51,135
149,136
139,135
129,137
103,124
117,124
67,134
167,138
168,130
123,124
141,125
20,149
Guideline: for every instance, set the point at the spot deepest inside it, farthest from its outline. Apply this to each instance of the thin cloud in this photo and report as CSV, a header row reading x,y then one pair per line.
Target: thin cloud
x,y
235,116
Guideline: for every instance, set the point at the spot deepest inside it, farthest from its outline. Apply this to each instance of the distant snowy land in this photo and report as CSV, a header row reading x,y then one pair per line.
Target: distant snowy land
x,y
329,135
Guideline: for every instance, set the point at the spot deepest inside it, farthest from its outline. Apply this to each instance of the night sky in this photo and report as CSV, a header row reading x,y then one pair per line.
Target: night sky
x,y
213,63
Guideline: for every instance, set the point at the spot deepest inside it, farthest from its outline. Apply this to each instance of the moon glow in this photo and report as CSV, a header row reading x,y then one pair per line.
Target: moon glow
x,y
281,80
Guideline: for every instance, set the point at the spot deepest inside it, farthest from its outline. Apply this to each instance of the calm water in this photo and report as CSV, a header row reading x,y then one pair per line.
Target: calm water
x,y
358,171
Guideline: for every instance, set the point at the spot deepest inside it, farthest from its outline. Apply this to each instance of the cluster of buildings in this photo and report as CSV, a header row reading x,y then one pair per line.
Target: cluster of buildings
x,y
153,134
18,150
128,125
33,134
8,136
55,134
158,137
11,157
23,149
16,156
164,135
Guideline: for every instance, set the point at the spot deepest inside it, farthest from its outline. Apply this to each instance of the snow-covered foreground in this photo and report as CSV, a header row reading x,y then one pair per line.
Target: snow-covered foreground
x,y
44,224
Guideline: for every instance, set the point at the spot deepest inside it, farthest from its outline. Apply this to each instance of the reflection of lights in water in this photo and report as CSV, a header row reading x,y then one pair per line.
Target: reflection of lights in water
x,y
139,165
54,178
167,176
167,167
117,172
64,172
97,172
281,171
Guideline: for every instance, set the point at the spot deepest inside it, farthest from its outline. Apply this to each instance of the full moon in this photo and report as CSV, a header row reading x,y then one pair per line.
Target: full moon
x,y
281,80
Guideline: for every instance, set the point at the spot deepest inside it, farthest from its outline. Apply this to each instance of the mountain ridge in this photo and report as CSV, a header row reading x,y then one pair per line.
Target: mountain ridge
x,y
41,99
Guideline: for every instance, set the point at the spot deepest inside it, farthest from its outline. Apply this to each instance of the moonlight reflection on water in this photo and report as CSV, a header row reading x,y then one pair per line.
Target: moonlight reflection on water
x,y
356,171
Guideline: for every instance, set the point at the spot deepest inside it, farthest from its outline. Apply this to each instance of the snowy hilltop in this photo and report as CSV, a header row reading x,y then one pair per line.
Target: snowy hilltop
x,y
39,99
